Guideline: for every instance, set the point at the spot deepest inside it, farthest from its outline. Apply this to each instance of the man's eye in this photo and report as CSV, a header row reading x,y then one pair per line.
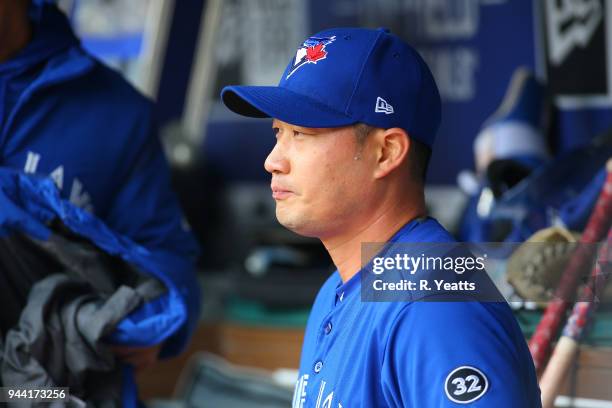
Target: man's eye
x,y
297,133
275,131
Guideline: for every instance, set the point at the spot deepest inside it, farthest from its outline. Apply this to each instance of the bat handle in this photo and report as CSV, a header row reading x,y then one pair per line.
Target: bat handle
x,y
552,380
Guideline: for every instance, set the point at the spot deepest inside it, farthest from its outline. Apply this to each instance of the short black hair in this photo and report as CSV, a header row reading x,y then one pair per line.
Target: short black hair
x,y
418,155
362,131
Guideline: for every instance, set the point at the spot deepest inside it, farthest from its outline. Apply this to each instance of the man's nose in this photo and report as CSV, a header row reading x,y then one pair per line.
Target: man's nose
x,y
277,162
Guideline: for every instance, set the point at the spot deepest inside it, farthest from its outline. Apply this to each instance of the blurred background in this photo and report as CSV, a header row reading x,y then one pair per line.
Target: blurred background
x,y
527,110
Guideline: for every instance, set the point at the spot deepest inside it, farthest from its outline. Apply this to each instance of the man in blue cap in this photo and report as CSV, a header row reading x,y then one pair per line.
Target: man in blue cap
x,y
355,116
65,115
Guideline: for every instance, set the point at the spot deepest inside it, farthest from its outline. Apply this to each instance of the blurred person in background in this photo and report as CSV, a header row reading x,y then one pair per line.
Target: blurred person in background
x,y
65,115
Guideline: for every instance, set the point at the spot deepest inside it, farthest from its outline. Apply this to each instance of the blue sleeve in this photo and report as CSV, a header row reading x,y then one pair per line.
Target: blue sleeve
x,y
146,210
447,354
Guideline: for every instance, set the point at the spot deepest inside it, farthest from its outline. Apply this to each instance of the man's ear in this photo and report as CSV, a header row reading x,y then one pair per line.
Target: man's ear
x,y
392,147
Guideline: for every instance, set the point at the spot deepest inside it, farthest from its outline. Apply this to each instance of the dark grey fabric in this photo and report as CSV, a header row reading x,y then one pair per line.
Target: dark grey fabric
x,y
58,339
22,263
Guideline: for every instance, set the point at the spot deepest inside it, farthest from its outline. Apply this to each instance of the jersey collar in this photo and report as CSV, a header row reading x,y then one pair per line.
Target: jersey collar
x,y
347,289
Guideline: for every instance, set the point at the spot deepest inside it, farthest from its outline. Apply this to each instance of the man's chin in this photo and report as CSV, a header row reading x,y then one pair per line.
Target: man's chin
x,y
294,224
291,225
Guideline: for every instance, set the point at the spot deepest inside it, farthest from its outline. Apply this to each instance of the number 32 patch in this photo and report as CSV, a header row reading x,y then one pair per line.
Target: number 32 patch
x,y
465,384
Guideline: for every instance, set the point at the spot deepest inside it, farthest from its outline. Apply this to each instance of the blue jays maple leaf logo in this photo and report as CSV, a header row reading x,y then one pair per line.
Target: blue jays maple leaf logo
x,y
311,51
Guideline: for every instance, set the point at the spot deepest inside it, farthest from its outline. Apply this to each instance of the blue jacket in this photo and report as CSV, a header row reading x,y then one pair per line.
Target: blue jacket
x,y
29,202
65,115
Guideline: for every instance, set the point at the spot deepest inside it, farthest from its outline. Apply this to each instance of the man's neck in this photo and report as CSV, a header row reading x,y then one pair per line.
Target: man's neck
x,y
345,250
15,29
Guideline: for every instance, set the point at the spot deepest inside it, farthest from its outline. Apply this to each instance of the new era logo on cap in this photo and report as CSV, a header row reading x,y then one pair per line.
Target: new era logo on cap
x,y
383,106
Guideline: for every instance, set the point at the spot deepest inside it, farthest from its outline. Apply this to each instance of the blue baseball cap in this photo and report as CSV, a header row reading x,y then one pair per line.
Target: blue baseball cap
x,y
344,76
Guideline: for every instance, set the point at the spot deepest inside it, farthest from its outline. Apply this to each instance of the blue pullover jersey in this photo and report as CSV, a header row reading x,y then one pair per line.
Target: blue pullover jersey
x,y
417,354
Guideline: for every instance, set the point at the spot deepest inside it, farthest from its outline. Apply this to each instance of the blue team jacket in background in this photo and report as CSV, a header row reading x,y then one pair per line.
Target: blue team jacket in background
x,y
66,117
29,202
